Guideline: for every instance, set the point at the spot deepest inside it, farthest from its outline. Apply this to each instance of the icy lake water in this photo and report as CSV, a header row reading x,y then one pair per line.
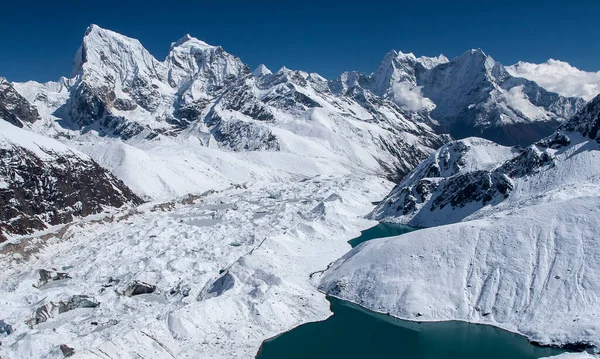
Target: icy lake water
x,y
381,230
353,332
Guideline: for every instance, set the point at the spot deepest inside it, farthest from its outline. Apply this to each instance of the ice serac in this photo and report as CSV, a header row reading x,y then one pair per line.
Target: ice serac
x,y
513,244
43,182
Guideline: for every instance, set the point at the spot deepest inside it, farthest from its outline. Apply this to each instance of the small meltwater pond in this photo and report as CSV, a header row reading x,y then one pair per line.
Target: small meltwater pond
x,y
354,332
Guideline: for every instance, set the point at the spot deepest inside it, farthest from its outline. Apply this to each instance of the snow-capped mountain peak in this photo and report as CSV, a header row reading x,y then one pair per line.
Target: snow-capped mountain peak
x,y
112,52
191,58
188,38
261,70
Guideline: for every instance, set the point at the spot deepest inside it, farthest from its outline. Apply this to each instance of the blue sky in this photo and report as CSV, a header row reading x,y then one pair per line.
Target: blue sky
x,y
38,39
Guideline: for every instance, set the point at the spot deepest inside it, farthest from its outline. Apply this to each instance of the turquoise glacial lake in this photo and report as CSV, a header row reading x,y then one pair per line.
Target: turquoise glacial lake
x,y
353,332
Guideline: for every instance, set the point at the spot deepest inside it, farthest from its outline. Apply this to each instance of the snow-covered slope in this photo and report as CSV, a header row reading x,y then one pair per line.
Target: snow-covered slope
x,y
533,271
43,182
516,248
560,77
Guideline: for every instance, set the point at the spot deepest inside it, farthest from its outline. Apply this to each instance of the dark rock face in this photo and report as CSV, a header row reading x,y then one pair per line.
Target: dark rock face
x,y
88,104
240,98
239,135
13,107
41,192
472,187
586,121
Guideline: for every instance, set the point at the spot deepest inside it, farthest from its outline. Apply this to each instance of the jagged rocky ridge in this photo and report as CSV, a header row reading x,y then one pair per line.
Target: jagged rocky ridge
x,y
513,240
466,175
118,89
43,182
471,95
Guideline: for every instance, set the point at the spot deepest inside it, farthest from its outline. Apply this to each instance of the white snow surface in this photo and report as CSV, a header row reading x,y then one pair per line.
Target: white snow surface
x,y
560,77
571,356
40,145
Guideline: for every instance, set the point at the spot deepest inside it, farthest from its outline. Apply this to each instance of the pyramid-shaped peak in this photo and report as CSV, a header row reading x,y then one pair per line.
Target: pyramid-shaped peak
x,y
261,70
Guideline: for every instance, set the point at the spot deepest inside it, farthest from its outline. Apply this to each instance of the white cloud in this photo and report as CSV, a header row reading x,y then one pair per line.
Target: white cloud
x,y
408,95
560,77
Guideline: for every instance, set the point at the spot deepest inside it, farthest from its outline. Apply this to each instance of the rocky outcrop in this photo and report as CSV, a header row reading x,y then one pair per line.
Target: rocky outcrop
x,y
13,107
43,182
586,121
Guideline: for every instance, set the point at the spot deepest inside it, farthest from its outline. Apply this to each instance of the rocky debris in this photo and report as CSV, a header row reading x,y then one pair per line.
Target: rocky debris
x,y
67,350
182,289
51,309
138,287
49,276
111,282
13,107
5,328
528,162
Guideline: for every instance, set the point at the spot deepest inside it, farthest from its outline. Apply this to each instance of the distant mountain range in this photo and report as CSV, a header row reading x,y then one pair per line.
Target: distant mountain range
x,y
388,121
